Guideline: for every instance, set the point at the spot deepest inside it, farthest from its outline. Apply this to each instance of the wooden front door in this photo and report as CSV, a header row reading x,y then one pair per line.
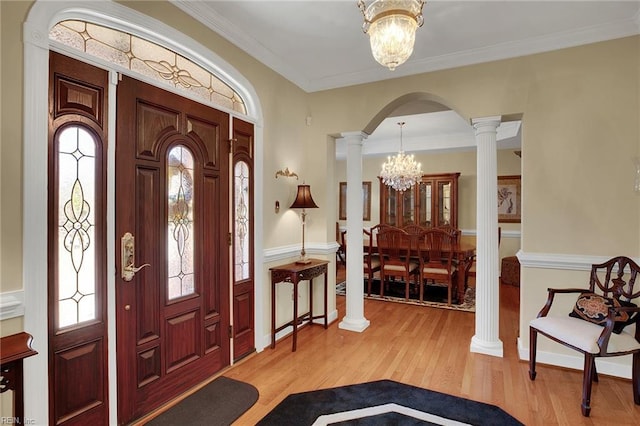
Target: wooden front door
x,y
172,204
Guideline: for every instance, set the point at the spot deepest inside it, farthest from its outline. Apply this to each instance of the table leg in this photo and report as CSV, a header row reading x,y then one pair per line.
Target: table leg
x,y
326,314
310,301
273,314
295,315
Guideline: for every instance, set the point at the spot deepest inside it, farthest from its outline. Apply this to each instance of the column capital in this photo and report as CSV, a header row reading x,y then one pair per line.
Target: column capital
x,y
486,123
353,136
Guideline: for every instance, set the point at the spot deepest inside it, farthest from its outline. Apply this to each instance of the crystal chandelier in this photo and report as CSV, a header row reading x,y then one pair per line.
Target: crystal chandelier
x,y
392,25
402,171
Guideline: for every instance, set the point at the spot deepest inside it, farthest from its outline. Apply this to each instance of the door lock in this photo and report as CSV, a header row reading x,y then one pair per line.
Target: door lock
x,y
128,257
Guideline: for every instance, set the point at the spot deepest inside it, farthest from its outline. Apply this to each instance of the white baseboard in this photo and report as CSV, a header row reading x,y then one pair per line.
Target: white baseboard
x,y
576,362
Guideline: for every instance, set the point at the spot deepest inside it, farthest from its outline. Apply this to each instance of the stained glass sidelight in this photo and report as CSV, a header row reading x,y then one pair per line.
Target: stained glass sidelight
x,y
148,59
76,226
180,245
241,208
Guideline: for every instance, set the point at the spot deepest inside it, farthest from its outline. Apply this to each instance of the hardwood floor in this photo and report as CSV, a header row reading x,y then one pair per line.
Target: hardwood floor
x,y
429,348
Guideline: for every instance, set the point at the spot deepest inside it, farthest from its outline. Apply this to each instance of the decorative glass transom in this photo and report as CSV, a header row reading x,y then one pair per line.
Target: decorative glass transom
x,y
241,208
76,226
180,245
148,59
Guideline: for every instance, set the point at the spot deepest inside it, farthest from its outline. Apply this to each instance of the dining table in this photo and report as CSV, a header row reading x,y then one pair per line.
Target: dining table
x,y
463,254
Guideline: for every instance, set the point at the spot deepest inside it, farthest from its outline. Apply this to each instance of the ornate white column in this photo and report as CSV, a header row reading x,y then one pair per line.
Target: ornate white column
x,y
486,340
354,319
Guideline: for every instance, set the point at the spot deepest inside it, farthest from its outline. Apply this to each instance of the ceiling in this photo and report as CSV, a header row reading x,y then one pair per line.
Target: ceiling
x,y
319,45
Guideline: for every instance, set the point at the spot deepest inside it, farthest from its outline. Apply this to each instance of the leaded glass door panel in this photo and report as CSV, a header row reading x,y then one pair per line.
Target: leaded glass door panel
x,y
243,226
77,280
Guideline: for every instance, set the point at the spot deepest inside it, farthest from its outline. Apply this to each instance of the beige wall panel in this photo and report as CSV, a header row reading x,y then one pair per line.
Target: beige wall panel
x,y
12,16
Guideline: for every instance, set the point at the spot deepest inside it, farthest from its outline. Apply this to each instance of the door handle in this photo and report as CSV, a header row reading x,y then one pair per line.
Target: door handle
x,y
128,257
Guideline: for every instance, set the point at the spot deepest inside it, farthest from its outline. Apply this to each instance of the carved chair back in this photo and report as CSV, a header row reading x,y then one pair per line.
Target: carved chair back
x,y
394,246
434,246
616,278
454,232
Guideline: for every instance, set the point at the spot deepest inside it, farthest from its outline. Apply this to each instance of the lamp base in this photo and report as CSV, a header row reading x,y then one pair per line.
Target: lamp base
x,y
304,260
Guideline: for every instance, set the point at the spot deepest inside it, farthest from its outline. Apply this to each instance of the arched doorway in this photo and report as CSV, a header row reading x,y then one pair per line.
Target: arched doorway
x,y
482,134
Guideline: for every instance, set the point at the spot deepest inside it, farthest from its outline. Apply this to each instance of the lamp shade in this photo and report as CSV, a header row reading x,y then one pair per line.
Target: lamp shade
x,y
303,198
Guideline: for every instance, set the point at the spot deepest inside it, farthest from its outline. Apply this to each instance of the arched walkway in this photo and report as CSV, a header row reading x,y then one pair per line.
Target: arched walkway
x,y
487,284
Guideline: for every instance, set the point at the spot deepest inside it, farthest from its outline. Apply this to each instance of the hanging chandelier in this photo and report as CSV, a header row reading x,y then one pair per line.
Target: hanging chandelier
x,y
392,25
402,171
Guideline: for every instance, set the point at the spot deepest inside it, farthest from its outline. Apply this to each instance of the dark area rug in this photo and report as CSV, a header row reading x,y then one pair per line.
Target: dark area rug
x,y
218,403
435,296
389,403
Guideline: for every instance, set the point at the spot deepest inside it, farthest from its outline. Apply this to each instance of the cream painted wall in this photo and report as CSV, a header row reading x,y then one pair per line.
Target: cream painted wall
x,y
12,16
580,132
580,113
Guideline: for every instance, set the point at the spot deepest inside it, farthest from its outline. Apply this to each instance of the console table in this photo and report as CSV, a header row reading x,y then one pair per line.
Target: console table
x,y
294,273
15,348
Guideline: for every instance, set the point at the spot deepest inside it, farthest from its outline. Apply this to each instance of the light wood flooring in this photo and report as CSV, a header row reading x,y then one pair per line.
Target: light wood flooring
x,y
429,348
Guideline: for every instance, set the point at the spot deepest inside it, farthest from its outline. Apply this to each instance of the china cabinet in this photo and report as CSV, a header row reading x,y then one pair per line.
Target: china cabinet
x,y
431,202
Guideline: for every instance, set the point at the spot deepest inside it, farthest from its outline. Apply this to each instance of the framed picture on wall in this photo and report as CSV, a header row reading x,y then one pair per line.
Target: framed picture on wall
x,y
366,201
509,199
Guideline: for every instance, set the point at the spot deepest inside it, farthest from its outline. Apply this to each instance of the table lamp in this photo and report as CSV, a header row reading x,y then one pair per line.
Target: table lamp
x,y
303,201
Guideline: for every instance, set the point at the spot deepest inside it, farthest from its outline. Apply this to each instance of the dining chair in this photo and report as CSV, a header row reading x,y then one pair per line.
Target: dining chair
x,y
395,248
371,260
454,232
436,261
341,253
603,322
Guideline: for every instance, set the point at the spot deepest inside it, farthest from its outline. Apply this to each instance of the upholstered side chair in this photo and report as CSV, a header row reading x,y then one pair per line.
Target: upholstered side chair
x,y
603,322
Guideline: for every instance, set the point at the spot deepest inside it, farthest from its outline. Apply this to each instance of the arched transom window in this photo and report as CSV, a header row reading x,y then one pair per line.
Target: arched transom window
x,y
148,59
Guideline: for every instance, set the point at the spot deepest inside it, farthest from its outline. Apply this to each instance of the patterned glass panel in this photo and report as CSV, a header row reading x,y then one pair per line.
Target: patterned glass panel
x,y
445,203
148,59
425,204
408,208
241,208
391,206
180,245
76,227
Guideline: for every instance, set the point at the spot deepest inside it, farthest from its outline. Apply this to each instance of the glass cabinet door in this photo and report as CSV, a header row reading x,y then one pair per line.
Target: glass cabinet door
x,y
430,203
444,203
408,208
391,207
425,201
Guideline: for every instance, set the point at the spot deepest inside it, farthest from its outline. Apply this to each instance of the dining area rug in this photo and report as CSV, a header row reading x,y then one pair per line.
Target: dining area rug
x,y
383,402
434,296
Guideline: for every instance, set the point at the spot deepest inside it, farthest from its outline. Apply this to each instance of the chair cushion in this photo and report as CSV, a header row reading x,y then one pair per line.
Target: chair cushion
x,y
400,268
583,334
595,308
442,271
